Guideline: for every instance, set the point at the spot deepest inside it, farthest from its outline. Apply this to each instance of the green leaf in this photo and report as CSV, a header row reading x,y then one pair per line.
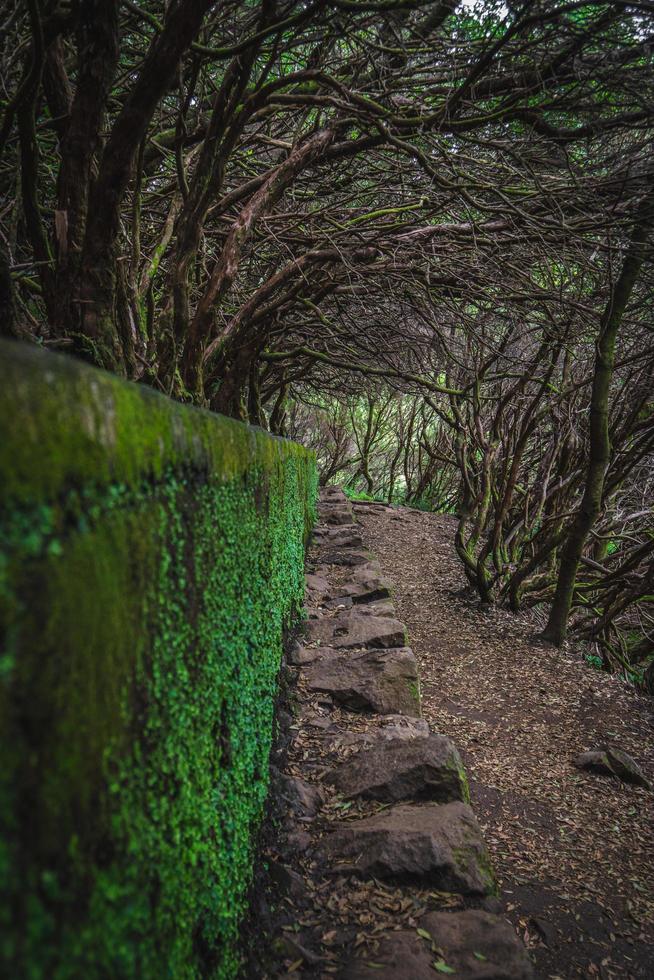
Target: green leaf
x,y
480,956
442,967
424,934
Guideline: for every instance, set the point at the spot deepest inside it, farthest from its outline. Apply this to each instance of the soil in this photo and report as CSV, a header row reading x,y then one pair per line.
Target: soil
x,y
573,851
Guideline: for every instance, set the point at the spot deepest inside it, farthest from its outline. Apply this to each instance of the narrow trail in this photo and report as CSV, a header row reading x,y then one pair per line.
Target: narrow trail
x,y
574,851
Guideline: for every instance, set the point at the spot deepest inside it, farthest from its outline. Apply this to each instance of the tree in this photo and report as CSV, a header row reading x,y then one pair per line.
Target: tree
x,y
389,226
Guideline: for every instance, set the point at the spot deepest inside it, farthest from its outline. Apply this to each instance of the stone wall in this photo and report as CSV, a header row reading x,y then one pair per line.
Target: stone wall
x,y
151,556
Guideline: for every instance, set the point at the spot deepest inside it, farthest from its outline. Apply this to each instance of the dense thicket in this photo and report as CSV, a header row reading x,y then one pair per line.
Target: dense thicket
x,y
417,233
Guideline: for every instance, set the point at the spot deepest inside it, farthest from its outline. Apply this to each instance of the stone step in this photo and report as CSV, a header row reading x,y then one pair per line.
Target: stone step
x,y
385,681
365,584
428,836
350,630
300,656
362,591
393,727
382,607
332,493
345,536
404,769
329,532
470,945
335,515
435,844
341,602
335,502
350,557
318,588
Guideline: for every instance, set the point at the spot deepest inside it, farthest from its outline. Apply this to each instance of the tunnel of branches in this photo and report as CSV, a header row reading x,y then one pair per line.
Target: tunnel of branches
x,y
413,235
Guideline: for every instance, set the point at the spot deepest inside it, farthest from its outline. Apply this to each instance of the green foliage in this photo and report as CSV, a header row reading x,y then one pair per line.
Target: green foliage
x,y
354,494
142,630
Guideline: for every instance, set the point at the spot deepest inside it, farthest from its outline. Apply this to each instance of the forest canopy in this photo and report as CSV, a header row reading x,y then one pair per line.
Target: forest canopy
x,y
415,235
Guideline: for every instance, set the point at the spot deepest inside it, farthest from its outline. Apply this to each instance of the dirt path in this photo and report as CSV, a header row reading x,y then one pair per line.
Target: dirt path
x,y
574,852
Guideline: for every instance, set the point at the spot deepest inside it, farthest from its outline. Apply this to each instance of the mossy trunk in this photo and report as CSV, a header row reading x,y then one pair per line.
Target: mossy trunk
x,y
600,444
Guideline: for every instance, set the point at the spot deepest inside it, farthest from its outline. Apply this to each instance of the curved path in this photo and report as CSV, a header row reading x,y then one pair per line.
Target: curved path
x,y
574,851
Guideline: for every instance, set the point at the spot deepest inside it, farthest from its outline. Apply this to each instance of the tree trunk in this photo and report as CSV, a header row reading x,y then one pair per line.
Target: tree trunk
x,y
226,267
98,281
7,305
600,446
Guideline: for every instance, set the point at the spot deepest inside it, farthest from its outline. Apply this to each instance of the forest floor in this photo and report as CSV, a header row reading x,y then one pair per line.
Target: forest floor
x,y
574,851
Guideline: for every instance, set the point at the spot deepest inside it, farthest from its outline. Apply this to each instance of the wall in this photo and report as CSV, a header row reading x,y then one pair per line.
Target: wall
x,y
151,555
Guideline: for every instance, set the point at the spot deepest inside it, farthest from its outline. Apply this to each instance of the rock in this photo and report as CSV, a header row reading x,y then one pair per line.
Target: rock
x,y
305,799
346,536
332,493
400,956
290,948
404,769
287,676
333,500
349,630
319,721
478,945
545,929
363,573
297,842
317,586
335,515
611,761
341,603
287,880
474,945
284,720
385,681
345,556
350,540
434,844
382,608
492,904
300,656
399,726
317,568
366,585
361,595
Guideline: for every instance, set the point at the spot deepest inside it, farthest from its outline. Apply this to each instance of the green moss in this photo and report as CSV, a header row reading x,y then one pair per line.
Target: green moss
x,y
465,856
456,766
148,567
112,432
485,865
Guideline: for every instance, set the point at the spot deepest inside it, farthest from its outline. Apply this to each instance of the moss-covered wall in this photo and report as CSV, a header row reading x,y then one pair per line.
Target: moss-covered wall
x,y
150,556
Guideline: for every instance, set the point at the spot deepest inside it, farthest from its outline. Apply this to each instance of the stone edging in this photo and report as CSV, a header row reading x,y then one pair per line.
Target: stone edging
x,y
380,867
